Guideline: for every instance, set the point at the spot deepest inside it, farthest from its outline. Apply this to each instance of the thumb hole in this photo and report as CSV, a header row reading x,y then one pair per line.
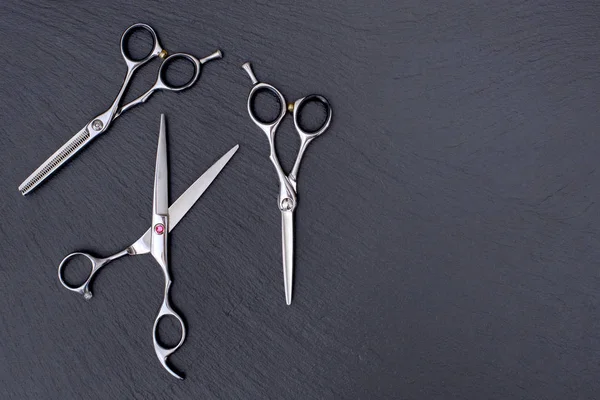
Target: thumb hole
x,y
76,270
168,331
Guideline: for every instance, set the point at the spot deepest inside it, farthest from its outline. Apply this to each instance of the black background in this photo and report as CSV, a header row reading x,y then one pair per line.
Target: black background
x,y
447,230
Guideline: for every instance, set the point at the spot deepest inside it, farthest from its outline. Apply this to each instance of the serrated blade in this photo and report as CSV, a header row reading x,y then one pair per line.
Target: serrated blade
x,y
56,160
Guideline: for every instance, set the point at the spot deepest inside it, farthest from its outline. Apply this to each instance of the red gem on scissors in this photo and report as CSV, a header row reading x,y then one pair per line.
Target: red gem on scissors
x,y
159,228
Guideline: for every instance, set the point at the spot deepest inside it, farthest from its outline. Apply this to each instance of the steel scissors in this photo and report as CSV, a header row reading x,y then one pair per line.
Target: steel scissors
x,y
154,240
101,123
287,199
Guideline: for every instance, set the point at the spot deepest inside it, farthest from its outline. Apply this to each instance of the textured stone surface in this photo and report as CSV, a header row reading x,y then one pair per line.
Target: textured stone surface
x,y
447,237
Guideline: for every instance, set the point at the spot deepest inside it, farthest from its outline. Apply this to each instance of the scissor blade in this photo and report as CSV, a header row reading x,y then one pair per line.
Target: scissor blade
x,y
287,249
161,173
183,204
56,160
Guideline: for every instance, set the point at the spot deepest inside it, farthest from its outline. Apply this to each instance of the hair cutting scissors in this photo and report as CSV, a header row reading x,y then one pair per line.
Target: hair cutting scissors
x,y
287,199
101,123
154,240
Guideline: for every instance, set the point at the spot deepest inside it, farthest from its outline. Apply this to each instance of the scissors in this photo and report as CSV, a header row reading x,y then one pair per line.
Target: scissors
x,y
101,123
155,239
287,199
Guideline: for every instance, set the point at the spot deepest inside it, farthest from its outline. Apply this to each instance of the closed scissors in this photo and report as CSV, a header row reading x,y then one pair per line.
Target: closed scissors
x,y
102,122
154,240
287,199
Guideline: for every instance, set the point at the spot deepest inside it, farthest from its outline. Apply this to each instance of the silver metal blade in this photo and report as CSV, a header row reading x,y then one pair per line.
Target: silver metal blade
x,y
56,160
183,204
160,204
287,251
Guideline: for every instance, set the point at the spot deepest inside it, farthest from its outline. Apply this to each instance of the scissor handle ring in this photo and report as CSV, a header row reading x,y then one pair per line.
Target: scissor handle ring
x,y
156,47
163,352
82,289
168,312
300,103
266,125
162,82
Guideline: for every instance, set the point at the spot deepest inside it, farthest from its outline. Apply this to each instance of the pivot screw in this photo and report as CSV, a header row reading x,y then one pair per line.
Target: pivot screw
x,y
97,125
287,204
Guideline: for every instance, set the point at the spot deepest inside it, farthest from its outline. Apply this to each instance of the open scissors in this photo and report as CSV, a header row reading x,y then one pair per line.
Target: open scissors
x,y
287,199
154,240
100,123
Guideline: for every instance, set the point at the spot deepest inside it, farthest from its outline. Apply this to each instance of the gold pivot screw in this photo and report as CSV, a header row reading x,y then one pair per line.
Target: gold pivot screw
x,y
163,54
290,107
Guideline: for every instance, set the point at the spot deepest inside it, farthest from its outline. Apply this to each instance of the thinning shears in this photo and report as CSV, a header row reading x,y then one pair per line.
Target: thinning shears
x,y
102,122
287,199
154,240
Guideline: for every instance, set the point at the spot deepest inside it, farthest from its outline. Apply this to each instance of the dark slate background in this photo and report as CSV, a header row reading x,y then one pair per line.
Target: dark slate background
x,y
447,237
